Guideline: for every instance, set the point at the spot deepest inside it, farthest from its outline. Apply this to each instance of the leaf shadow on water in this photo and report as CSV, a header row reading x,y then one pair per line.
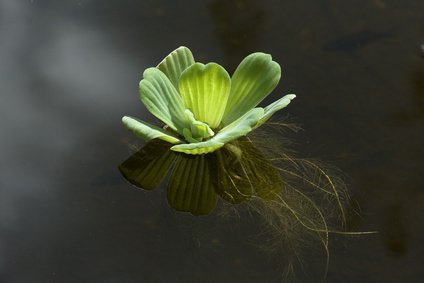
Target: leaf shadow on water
x,y
298,202
236,173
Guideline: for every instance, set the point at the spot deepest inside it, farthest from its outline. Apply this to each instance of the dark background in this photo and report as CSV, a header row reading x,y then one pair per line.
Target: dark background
x,y
69,70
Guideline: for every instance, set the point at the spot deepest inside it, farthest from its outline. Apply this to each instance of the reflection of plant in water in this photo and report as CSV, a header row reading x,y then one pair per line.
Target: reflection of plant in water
x,y
236,172
295,197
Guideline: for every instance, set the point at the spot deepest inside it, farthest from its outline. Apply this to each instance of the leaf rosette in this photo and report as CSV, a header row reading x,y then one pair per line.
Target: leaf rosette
x,y
202,107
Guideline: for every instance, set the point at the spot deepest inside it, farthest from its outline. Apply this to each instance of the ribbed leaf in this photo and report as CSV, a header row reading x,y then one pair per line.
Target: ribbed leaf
x,y
190,187
199,148
198,130
162,99
238,128
175,63
148,131
255,78
148,167
274,107
205,90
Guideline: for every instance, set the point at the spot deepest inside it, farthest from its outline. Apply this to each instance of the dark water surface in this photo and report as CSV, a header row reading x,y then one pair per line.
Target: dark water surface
x,y
70,71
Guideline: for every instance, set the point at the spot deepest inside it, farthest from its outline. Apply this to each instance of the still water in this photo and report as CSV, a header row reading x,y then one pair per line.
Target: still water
x,y
70,71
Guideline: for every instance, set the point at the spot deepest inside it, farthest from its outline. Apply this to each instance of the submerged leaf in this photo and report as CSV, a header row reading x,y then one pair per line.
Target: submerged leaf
x,y
190,188
162,99
148,131
205,90
255,78
175,63
148,167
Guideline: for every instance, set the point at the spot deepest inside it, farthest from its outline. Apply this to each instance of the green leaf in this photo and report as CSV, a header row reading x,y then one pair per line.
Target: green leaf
x,y
274,107
198,130
199,147
148,131
205,90
175,63
148,167
162,99
255,78
237,129
190,187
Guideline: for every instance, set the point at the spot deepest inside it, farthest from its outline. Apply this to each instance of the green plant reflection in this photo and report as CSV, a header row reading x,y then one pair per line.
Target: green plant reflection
x,y
299,201
236,173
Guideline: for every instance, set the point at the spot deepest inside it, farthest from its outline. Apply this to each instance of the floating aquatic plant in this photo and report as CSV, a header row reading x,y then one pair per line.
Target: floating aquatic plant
x,y
202,107
207,116
296,199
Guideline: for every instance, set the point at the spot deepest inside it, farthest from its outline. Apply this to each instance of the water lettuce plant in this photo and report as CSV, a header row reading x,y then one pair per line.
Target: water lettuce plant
x,y
207,115
203,108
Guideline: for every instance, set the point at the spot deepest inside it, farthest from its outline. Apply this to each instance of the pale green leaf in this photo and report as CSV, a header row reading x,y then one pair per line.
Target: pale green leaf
x,y
274,107
198,130
255,78
238,128
199,147
148,167
190,186
188,136
148,131
205,90
162,99
175,63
